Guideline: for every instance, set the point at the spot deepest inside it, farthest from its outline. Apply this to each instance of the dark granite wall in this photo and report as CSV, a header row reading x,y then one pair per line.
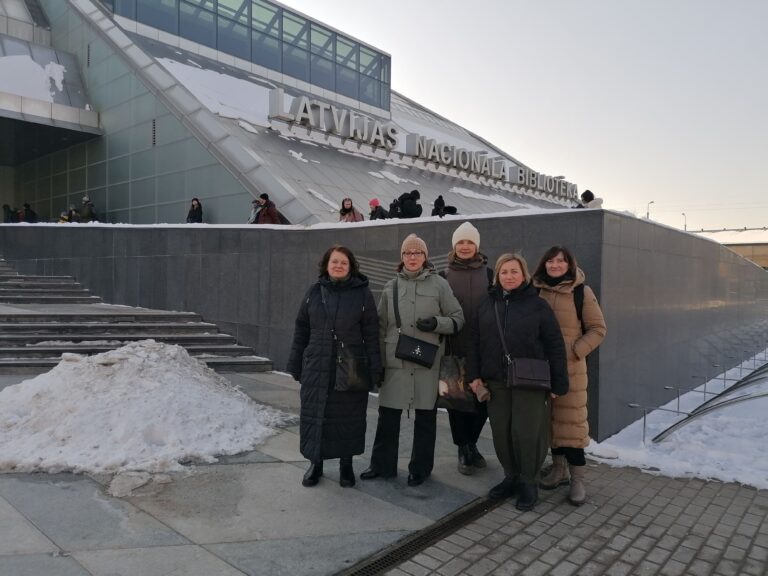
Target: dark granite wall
x,y
675,304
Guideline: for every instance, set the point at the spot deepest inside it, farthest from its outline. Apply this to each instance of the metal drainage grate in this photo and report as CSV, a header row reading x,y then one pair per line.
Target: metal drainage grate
x,y
411,545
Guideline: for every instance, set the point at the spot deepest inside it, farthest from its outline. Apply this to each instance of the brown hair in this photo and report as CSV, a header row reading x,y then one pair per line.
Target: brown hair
x,y
541,269
508,257
354,267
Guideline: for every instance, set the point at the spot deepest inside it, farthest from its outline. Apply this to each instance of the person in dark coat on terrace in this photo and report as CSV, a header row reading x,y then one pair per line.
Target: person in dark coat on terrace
x,y
195,214
338,308
409,204
87,210
377,210
267,214
520,419
348,213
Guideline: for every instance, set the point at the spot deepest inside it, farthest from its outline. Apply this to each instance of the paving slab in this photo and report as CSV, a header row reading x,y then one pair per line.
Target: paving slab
x,y
157,561
291,556
19,536
40,565
75,514
267,501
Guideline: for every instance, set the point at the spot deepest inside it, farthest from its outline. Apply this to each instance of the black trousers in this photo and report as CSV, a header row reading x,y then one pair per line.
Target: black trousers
x,y
574,456
466,426
387,441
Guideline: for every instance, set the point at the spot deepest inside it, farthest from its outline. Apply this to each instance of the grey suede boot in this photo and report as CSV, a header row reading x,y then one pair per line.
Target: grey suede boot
x,y
578,493
557,476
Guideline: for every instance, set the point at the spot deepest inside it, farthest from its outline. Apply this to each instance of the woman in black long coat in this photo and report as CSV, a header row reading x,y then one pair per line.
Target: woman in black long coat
x,y
338,309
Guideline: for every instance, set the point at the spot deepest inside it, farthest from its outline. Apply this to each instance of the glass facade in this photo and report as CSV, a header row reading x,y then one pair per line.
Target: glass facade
x,y
149,166
274,37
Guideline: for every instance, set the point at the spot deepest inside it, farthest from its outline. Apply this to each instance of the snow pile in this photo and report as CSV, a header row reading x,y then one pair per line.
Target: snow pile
x,y
145,406
724,444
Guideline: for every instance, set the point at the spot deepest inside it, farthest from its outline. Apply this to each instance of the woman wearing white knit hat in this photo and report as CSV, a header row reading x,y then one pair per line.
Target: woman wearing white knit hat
x,y
469,278
427,309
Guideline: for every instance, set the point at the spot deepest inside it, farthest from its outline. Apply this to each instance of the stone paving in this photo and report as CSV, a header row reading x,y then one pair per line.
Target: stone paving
x,y
249,514
633,524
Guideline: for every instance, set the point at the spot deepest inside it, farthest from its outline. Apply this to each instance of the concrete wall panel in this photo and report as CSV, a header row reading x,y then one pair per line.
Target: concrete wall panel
x,y
676,305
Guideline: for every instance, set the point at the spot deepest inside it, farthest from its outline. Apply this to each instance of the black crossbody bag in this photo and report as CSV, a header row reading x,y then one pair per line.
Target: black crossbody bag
x,y
409,348
523,373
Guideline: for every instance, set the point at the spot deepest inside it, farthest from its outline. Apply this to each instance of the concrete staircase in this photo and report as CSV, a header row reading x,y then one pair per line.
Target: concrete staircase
x,y
42,317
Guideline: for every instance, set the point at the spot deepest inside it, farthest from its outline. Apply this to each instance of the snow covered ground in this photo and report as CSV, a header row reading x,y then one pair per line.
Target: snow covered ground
x,y
146,406
726,444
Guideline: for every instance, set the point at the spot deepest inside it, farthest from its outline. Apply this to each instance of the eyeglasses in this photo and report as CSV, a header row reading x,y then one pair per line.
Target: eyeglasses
x,y
415,254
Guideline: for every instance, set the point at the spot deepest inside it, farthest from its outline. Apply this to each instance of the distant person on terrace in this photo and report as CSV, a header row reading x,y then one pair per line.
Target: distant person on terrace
x,y
348,213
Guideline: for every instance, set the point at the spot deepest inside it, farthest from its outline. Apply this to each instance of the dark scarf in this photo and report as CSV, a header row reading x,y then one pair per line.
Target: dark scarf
x,y
552,282
479,260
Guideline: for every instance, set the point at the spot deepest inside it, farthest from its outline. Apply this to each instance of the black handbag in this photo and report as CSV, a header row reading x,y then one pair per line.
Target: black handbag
x,y
409,348
524,373
452,392
353,372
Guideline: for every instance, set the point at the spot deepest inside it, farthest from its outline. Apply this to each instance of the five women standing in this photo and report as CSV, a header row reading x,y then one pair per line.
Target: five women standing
x,y
338,310
427,309
561,284
507,320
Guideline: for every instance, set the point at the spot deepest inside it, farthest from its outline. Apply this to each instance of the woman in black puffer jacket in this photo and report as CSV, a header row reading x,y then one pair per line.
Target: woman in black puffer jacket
x,y
332,423
520,419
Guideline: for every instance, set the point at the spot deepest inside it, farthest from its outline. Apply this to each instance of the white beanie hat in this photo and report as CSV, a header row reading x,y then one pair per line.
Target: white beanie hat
x,y
466,232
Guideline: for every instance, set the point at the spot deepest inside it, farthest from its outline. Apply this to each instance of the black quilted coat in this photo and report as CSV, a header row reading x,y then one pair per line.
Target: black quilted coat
x,y
332,424
530,331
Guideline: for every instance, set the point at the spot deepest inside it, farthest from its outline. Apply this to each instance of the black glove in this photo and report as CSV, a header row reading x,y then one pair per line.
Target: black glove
x,y
377,378
427,324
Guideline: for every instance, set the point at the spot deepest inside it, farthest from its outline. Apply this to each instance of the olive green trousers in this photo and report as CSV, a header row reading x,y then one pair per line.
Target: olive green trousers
x,y
521,428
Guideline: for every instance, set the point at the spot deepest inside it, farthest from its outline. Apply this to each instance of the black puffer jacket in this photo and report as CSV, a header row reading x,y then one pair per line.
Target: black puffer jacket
x,y
530,330
332,423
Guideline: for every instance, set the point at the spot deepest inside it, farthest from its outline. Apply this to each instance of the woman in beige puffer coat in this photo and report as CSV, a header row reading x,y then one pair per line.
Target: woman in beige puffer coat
x,y
557,277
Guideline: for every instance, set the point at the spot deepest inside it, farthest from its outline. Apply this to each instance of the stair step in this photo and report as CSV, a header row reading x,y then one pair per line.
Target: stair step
x,y
49,299
4,292
8,340
65,328
55,351
102,317
40,365
15,276
15,284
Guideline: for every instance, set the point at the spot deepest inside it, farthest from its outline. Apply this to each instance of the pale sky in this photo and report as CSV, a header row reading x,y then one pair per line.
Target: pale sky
x,y
637,100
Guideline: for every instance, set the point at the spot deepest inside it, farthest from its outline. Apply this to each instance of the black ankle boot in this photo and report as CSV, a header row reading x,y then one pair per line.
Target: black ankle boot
x,y
346,472
476,458
528,495
504,489
465,460
313,473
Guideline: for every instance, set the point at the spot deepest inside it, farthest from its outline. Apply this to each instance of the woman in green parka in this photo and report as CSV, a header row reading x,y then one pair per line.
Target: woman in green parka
x,y
427,309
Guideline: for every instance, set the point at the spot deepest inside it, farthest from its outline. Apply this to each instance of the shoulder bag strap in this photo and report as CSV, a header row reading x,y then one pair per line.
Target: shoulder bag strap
x,y
394,303
324,299
507,357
